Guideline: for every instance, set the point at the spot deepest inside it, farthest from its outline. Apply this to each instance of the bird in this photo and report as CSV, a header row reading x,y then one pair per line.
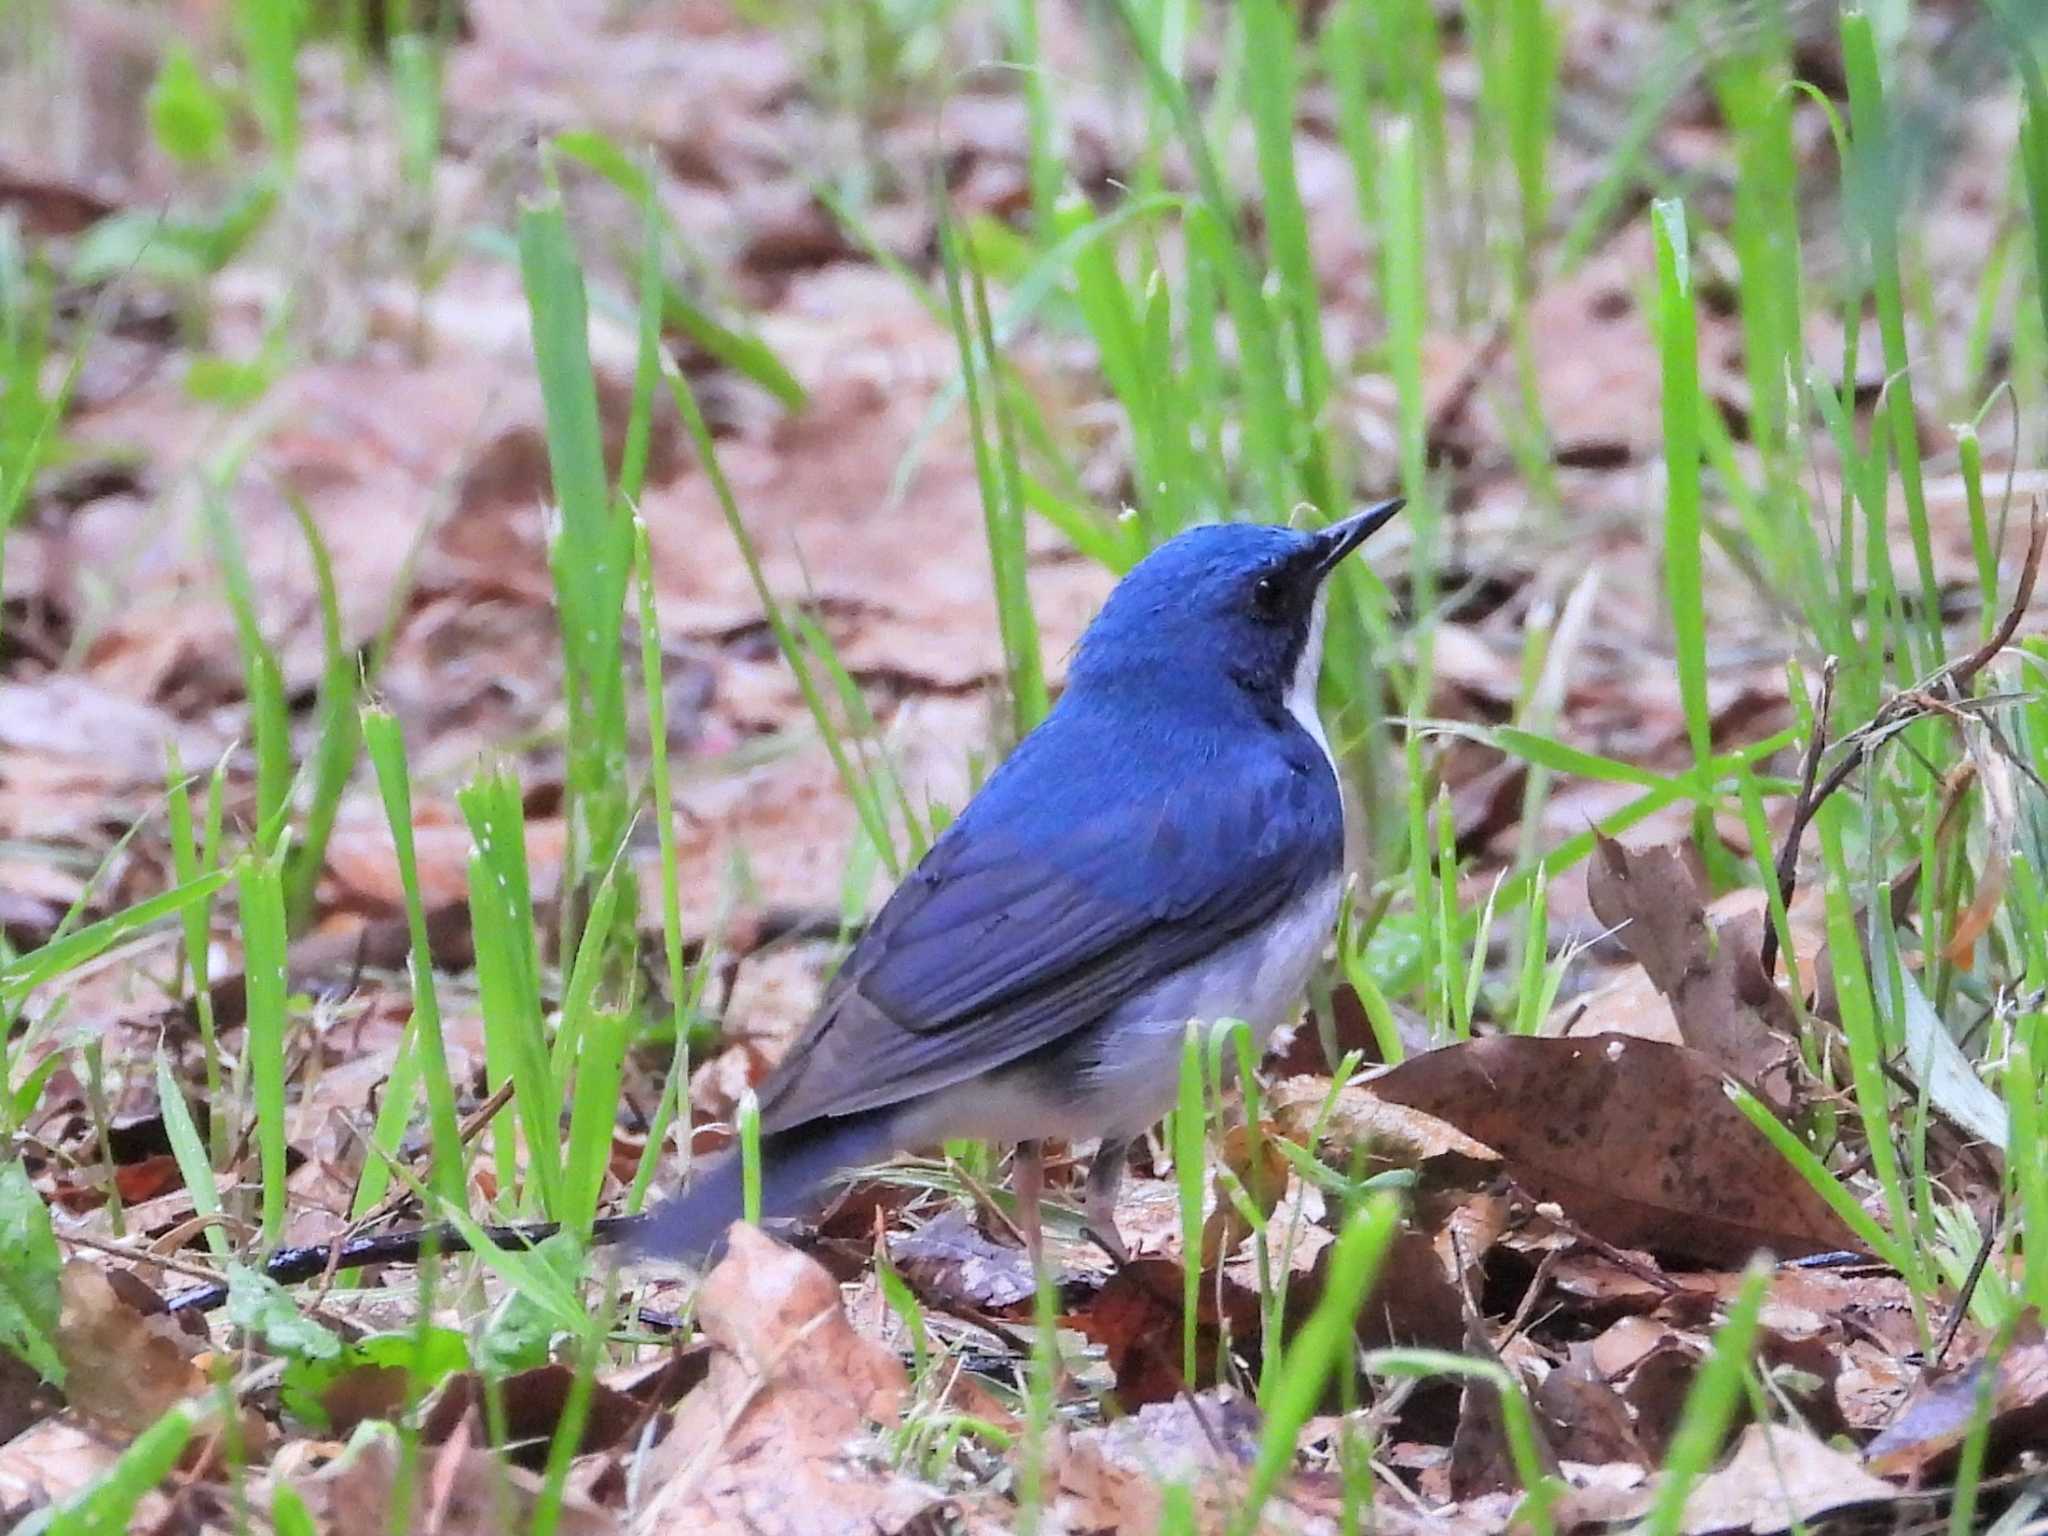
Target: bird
x,y
1166,845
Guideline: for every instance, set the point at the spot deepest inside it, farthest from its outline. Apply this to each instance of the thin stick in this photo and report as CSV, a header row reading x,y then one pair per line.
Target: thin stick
x,y
1945,683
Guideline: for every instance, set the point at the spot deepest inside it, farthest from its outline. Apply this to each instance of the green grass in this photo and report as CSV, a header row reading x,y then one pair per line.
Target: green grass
x,y
589,556
385,741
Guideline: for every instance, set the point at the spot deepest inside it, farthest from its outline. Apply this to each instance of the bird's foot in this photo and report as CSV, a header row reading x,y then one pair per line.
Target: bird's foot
x,y
1100,1229
1029,1177
1098,1201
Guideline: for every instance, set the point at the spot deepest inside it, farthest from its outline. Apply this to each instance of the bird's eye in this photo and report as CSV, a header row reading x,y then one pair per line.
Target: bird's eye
x,y
1267,596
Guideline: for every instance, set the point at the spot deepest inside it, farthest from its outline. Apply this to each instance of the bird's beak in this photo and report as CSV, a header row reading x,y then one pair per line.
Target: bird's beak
x,y
1340,539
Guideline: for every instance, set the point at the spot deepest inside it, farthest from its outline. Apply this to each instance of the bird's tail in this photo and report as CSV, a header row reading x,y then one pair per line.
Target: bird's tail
x,y
691,1226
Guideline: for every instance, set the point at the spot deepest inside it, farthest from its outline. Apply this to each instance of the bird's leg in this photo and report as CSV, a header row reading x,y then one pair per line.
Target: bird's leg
x,y
1098,1203
1029,1177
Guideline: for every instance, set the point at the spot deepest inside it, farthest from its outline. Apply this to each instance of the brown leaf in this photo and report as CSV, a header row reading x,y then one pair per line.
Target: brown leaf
x,y
770,1441
1137,1319
123,1369
1932,1425
1656,1390
1263,1183
1778,1478
532,1403
950,1262
1415,1302
460,1489
1481,1461
1115,1477
49,205
1584,1417
1365,1133
1636,1141
1725,1007
54,1460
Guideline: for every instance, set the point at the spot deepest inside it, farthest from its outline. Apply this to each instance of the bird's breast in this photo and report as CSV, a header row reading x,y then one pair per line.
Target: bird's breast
x,y
1128,1067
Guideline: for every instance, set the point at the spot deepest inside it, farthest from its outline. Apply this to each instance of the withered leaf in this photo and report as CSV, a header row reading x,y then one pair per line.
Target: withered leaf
x,y
769,1441
1725,1006
1635,1140
1936,1418
1367,1133
1137,1319
1583,1416
1114,1478
123,1368
950,1262
1777,1479
1481,1461
1262,1177
459,1489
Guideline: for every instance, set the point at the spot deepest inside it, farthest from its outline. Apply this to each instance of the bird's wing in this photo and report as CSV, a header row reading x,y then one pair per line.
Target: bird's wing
x,y
1038,912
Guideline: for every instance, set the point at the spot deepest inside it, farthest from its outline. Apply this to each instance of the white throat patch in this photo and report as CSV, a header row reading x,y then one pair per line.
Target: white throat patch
x,y
1301,692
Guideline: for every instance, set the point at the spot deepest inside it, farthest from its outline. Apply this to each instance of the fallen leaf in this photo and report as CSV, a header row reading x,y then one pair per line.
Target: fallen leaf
x,y
50,1462
1726,1008
1415,1301
123,1369
532,1403
1481,1461
1657,1387
1636,1141
1582,1415
459,1489
1936,1062
1137,1319
1263,1183
949,1261
1364,1133
50,205
1618,1350
1936,1418
1778,1478
1115,1477
771,1440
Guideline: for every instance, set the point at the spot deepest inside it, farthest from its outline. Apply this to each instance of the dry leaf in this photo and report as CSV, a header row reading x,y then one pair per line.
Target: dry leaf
x,y
1414,1302
950,1262
1726,1008
1137,1319
1481,1461
1936,1418
459,1489
1365,1133
51,1461
1262,1184
770,1441
123,1369
1114,1478
1584,1417
1636,1141
1778,1478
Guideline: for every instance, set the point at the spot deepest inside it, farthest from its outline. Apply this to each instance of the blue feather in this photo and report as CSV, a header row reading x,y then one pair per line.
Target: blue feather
x,y
1171,837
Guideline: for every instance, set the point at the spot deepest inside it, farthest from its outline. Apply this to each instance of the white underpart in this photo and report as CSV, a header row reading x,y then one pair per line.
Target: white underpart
x,y
1301,693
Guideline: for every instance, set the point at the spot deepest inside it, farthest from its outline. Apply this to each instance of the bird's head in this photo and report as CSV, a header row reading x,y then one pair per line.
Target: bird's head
x,y
1237,601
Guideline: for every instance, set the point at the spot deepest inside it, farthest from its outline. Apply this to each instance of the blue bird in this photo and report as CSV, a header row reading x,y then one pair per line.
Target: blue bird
x,y
1167,845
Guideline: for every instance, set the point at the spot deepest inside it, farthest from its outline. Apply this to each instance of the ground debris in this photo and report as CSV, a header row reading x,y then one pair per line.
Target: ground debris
x,y
1634,1140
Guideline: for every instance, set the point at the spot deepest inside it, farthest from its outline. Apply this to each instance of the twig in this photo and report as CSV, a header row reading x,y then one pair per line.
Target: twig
x,y
1802,810
289,1266
1962,1302
1942,685
467,1133
144,1256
